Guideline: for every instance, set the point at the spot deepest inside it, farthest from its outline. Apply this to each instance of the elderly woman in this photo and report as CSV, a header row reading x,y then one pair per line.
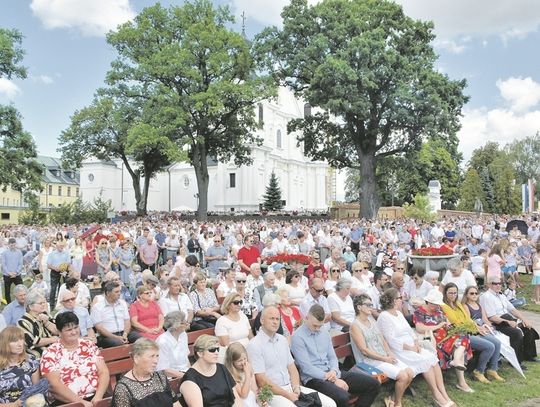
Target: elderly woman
x,y
458,275
103,257
205,304
143,385
73,366
453,350
341,306
290,314
18,370
233,325
481,339
173,345
227,286
249,306
404,344
369,346
334,274
38,326
145,315
296,290
208,383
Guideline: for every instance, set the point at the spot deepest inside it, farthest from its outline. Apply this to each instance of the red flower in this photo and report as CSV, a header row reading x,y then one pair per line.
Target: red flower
x,y
288,258
433,251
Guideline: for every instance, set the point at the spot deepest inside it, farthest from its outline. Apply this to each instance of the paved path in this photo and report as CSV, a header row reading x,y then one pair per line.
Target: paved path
x,y
534,319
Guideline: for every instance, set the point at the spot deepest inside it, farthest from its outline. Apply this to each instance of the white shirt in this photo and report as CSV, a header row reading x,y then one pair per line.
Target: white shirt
x,y
309,301
110,316
173,354
345,307
495,304
463,281
168,304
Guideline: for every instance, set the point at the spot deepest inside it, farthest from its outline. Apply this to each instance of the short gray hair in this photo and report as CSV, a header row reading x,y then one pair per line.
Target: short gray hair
x,y
33,297
20,288
343,284
271,299
142,345
454,264
268,274
173,320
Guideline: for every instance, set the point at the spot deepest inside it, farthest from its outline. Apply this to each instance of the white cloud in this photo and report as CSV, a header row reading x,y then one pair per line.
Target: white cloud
x,y
504,124
8,88
263,11
45,79
90,17
454,47
521,93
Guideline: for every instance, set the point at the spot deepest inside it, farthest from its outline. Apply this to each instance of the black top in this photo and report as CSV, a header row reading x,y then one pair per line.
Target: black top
x,y
217,390
154,392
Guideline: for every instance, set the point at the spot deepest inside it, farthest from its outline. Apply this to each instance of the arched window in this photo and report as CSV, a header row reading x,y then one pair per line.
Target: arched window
x,y
261,114
278,139
307,110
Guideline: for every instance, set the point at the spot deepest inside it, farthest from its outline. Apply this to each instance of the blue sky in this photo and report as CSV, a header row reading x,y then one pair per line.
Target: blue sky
x,y
491,43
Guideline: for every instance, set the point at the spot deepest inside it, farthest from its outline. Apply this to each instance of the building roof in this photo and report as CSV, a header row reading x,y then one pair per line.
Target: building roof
x,y
53,173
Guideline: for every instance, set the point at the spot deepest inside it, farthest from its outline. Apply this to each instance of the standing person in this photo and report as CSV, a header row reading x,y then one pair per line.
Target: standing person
x,y
273,365
44,251
12,265
103,258
194,247
77,252
148,254
248,255
59,263
319,368
536,275
160,238
495,262
15,309
216,257
127,258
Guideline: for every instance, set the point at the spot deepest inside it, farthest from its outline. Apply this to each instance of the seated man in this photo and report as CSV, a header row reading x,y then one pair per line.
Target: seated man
x,y
273,365
111,318
68,303
319,369
15,309
73,366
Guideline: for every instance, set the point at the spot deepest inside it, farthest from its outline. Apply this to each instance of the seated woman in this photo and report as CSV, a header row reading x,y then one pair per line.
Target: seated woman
x,y
341,306
227,286
38,326
143,386
208,383
236,360
290,314
404,344
205,304
368,344
297,291
18,370
73,365
481,339
233,325
145,314
453,350
173,345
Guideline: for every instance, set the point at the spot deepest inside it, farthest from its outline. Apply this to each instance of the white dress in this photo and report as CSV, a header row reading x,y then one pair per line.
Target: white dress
x,y
397,332
344,307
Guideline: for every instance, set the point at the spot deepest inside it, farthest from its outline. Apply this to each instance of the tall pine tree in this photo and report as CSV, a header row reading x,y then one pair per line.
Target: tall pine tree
x,y
272,198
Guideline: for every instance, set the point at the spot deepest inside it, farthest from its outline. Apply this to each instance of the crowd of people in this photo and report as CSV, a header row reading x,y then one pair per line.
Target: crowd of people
x,y
274,293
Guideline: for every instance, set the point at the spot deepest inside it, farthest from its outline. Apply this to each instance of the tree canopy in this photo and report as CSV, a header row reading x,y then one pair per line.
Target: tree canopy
x,y
19,168
203,80
368,72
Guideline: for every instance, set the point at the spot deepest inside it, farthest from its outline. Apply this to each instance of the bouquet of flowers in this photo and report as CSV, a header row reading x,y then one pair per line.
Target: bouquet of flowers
x,y
63,269
433,251
265,395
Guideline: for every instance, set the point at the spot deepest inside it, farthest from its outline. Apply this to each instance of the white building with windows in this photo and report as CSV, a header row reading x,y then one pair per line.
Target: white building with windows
x,y
304,183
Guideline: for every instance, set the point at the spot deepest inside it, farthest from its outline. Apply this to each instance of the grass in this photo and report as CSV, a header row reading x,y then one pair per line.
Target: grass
x,y
527,292
513,392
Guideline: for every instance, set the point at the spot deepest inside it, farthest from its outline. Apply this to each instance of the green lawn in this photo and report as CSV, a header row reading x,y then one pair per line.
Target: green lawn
x,y
527,292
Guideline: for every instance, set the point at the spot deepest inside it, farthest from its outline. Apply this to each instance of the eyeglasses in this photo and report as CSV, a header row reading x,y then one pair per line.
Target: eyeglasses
x,y
496,283
474,293
357,270
69,299
238,302
400,268
217,241
213,350
317,290
336,271
240,281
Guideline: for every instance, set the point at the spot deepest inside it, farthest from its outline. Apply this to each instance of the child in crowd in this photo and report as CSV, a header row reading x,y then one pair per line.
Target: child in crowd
x,y
510,293
40,284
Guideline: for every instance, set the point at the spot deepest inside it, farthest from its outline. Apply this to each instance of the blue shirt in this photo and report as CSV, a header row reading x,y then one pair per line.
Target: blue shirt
x,y
13,312
56,258
85,322
12,261
314,353
356,235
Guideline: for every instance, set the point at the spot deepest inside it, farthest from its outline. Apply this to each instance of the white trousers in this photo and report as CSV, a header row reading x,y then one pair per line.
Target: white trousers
x,y
280,401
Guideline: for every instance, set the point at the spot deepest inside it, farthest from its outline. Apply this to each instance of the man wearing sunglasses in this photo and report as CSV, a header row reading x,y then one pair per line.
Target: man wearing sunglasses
x,y
314,296
505,316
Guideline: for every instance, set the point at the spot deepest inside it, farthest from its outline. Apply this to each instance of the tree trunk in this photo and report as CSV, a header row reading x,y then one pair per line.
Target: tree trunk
x,y
369,196
144,199
201,173
136,181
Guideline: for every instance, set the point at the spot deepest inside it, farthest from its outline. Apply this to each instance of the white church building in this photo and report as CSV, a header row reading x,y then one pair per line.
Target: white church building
x,y
305,184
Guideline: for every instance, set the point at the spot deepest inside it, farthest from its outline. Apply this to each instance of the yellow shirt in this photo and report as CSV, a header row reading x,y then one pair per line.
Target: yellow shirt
x,y
458,316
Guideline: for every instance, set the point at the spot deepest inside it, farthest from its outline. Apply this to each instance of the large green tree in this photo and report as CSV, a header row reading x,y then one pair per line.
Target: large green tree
x,y
19,168
369,69
524,155
470,191
114,126
204,76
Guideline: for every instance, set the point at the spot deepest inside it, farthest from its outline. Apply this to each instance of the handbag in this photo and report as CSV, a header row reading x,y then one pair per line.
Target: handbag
x,y
427,341
308,400
372,371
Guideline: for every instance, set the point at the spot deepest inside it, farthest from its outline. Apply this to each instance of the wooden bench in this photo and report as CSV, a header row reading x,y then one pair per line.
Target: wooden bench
x,y
102,403
117,369
116,353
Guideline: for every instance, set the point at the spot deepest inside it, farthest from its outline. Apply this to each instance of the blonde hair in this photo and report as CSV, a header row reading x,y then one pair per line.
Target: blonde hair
x,y
204,342
234,352
141,289
142,345
228,301
8,335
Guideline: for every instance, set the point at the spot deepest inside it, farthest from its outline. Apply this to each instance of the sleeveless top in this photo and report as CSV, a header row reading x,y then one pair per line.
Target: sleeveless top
x,y
373,338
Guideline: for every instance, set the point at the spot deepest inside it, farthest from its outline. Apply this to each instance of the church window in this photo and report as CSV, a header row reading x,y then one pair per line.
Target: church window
x,y
232,180
261,114
307,110
278,139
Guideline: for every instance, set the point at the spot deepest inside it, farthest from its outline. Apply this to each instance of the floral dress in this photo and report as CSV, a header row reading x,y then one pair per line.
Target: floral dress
x,y
446,344
14,379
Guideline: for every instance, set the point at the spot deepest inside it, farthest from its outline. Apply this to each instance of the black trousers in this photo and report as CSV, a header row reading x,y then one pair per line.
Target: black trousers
x,y
521,340
362,385
105,342
7,285
55,286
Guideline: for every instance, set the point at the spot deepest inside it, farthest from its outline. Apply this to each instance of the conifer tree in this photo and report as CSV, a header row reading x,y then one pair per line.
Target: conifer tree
x,y
272,198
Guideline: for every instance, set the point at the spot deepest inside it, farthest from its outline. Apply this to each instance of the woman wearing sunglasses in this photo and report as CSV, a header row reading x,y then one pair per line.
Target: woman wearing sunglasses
x,y
233,325
207,382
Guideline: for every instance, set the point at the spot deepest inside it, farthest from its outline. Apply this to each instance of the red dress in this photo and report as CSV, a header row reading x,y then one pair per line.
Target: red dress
x,y
147,316
89,263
